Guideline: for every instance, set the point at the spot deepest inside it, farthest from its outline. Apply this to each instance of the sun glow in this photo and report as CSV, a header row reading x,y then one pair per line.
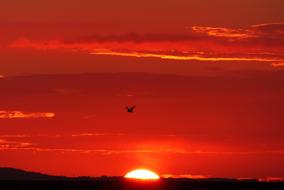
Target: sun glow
x,y
142,174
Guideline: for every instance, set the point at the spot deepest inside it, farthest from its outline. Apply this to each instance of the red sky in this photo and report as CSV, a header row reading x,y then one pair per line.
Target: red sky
x,y
207,79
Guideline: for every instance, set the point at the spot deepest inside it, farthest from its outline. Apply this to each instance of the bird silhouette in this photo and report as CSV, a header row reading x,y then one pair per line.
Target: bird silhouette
x,y
130,109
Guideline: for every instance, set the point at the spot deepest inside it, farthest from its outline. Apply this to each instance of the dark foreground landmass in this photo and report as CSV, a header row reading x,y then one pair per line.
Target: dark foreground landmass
x,y
21,180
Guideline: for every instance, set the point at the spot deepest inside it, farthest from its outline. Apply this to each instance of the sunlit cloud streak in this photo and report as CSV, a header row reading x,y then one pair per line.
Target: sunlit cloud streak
x,y
190,176
278,64
257,43
15,142
13,145
24,115
180,57
224,32
26,146
95,134
271,179
15,136
89,134
261,31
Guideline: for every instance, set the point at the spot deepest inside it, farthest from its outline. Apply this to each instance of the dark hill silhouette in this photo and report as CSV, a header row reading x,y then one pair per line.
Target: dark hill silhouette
x,y
11,178
17,174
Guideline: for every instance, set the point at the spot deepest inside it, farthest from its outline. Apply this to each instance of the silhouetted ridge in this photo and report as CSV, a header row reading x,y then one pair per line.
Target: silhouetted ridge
x,y
11,178
17,174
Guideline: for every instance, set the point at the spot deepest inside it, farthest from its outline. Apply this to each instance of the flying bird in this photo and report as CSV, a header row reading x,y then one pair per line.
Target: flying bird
x,y
130,109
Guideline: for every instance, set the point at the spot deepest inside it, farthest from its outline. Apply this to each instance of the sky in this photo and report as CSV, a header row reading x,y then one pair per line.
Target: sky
x,y
206,76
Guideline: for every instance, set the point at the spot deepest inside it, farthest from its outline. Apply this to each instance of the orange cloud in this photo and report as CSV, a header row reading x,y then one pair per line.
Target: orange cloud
x,y
223,32
267,30
15,136
5,144
24,115
257,43
272,179
278,64
181,57
95,134
184,176
272,30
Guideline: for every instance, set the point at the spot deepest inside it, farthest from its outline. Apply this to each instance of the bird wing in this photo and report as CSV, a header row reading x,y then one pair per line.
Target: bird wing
x,y
133,107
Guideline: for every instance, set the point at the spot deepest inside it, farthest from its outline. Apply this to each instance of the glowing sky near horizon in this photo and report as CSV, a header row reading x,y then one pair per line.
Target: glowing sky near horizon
x,y
207,78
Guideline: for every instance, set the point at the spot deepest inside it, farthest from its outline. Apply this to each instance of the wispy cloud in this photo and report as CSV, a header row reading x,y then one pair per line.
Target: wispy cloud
x,y
257,43
24,115
260,31
15,136
88,134
224,32
271,179
7,144
190,176
278,64
24,146
96,134
184,57
30,142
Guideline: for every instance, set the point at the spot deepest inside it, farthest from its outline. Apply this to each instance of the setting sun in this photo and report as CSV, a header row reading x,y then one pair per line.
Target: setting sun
x,y
142,174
